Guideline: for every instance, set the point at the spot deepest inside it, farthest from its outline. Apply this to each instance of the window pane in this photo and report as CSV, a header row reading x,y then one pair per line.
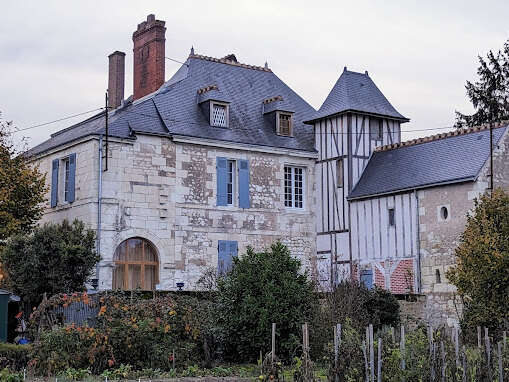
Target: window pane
x,y
134,250
230,184
150,277
118,276
134,276
288,187
298,187
219,115
150,254
285,124
66,180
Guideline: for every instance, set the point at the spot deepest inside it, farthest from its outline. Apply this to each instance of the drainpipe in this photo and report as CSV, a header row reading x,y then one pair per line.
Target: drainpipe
x,y
418,245
99,205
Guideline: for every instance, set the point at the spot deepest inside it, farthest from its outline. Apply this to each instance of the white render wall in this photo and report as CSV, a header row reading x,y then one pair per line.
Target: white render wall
x,y
166,192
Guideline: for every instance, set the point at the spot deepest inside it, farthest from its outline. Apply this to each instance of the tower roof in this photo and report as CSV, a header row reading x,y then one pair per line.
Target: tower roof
x,y
356,92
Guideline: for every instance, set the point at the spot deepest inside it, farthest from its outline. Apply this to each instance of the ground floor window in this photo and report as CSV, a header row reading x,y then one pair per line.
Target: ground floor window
x,y
136,265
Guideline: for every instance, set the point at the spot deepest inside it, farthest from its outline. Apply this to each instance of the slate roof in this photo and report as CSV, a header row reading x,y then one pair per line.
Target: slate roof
x,y
447,158
174,109
358,93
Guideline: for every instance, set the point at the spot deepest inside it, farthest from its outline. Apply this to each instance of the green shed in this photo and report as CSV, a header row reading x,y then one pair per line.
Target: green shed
x,y
4,309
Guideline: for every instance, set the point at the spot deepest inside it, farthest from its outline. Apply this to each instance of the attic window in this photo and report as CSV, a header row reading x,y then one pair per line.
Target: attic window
x,y
219,114
284,124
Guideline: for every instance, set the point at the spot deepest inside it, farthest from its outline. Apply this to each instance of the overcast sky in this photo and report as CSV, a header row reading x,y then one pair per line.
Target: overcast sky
x,y
53,59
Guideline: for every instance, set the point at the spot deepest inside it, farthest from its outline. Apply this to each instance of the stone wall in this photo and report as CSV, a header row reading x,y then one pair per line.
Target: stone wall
x,y
439,237
165,192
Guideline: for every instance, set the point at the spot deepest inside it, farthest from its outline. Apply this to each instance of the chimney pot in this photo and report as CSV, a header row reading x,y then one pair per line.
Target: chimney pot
x,y
149,52
116,78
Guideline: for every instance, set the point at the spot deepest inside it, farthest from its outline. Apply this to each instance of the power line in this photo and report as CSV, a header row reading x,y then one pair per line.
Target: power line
x,y
180,62
57,120
174,121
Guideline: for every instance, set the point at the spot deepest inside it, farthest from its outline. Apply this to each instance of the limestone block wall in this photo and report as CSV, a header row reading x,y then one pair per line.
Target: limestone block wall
x,y
165,192
200,223
85,203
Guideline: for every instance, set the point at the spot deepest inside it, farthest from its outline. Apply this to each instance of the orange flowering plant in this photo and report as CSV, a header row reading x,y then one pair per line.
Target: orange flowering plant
x,y
142,332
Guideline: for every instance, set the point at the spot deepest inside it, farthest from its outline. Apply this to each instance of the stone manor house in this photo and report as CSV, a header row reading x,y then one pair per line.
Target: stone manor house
x,y
186,173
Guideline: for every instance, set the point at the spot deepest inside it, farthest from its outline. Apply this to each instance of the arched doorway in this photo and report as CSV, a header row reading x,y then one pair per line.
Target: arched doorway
x,y
136,265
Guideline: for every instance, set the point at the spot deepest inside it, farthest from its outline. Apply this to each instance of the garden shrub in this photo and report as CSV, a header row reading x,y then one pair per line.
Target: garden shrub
x,y
14,357
262,288
351,302
142,333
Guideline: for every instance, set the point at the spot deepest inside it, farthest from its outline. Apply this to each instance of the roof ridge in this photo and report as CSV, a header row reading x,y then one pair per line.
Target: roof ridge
x,y
436,137
229,62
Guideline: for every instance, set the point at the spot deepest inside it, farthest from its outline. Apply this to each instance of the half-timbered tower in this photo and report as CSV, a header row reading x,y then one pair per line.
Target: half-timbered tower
x,y
354,119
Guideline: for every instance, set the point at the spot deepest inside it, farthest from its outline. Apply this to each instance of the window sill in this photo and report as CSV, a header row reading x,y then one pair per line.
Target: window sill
x,y
295,210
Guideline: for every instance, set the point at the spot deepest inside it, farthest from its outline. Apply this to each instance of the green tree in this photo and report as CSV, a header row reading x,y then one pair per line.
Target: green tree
x,y
262,288
490,93
481,273
22,188
54,258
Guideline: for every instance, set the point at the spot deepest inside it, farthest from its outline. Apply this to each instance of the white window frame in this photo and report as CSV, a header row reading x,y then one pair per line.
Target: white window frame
x,y
304,184
234,181
278,128
227,111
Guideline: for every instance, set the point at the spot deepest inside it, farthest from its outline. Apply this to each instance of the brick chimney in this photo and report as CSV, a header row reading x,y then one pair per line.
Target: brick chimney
x,y
116,78
148,52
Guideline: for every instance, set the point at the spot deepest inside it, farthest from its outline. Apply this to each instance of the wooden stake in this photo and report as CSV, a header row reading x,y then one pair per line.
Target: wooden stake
x,y
368,378
479,343
456,347
273,350
392,335
488,351
336,347
500,368
371,353
402,347
464,379
379,360
173,359
504,337
433,356
364,351
442,354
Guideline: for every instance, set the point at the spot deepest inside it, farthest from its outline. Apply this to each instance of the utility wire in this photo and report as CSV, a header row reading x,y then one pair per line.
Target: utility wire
x,y
57,120
180,62
175,121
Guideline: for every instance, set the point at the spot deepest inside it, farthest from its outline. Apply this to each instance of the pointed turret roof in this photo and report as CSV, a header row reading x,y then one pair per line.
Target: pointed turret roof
x,y
356,92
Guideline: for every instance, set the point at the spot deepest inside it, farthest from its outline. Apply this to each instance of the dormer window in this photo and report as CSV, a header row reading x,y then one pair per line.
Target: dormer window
x,y
284,124
219,114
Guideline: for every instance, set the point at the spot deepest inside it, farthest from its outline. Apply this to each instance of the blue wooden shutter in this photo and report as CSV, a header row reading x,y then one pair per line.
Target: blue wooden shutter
x,y
222,179
222,256
367,278
72,176
54,182
227,250
234,249
243,183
